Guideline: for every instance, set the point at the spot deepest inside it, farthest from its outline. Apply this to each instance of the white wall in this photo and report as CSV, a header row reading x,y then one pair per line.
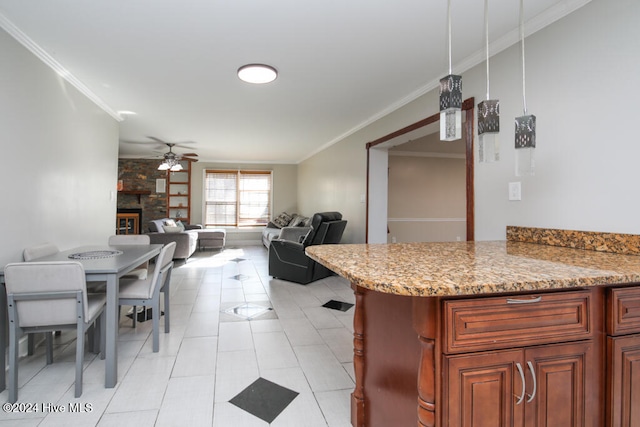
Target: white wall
x,y
581,84
60,158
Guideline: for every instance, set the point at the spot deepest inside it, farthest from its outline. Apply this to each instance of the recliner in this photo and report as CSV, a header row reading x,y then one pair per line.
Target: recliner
x,y
287,259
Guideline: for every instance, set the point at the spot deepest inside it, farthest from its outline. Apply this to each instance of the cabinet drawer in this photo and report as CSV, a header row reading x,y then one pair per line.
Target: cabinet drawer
x,y
503,322
623,311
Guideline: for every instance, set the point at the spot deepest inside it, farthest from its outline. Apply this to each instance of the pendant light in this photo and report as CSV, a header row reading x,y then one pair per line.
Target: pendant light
x,y
525,136
488,111
450,97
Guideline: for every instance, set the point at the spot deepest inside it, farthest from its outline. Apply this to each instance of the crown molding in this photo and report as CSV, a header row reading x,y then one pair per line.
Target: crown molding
x,y
41,54
533,25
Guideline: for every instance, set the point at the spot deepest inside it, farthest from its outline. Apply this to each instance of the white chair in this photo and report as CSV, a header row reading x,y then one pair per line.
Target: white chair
x,y
46,297
39,251
29,254
45,249
146,292
139,272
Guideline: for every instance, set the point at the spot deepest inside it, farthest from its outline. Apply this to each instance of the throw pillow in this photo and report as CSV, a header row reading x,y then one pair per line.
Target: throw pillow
x,y
180,224
169,222
282,220
298,221
170,229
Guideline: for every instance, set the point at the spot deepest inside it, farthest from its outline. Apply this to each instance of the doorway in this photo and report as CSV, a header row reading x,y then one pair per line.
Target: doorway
x,y
378,164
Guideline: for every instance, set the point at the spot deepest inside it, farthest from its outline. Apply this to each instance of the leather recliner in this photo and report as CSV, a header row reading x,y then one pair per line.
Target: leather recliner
x,y
287,259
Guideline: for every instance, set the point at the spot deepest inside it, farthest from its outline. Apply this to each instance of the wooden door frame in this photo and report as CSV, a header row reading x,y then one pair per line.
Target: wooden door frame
x,y
469,107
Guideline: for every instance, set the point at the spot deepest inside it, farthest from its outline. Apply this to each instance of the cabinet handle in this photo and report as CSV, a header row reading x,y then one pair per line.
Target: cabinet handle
x,y
523,301
524,386
535,385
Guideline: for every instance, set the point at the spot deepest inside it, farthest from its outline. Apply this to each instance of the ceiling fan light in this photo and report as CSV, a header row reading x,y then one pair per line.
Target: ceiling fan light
x,y
163,166
175,168
257,73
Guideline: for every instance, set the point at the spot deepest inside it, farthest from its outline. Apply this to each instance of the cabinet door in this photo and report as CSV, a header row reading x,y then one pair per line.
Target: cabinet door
x,y
623,381
561,392
483,389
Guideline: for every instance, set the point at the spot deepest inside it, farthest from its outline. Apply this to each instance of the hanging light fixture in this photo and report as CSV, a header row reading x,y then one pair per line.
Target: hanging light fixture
x,y
450,97
171,162
488,111
525,137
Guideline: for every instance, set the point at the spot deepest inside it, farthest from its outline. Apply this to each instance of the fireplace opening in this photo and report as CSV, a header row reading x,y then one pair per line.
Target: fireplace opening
x,y
128,220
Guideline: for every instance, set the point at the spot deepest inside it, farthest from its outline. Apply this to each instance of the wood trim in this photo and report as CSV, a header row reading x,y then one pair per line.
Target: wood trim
x,y
357,397
366,208
468,106
417,125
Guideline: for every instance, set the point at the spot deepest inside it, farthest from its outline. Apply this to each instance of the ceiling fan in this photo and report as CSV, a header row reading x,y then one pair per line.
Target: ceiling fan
x,y
172,160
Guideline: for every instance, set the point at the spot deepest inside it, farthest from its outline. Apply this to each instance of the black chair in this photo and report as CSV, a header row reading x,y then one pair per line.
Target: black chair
x,y
287,259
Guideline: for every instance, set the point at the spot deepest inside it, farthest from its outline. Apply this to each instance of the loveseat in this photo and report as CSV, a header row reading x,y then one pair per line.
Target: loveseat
x,y
286,226
166,230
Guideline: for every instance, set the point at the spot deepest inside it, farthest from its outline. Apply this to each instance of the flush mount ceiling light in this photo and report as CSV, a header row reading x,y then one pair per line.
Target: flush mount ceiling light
x,y
257,73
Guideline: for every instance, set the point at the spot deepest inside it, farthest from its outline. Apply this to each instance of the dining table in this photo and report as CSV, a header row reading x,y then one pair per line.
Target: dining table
x,y
101,263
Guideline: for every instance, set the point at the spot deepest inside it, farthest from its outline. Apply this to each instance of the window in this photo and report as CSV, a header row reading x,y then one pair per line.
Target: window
x,y
237,198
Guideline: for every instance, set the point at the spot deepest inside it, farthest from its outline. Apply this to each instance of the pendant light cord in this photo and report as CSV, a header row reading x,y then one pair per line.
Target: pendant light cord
x,y
524,95
449,32
486,37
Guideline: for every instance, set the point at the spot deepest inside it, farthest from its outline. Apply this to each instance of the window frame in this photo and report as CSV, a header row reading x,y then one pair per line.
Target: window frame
x,y
238,222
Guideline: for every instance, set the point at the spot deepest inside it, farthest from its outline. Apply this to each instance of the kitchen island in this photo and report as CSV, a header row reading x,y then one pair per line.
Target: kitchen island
x,y
540,330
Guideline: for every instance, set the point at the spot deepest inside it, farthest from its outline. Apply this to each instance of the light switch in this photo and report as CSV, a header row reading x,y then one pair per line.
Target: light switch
x,y
515,192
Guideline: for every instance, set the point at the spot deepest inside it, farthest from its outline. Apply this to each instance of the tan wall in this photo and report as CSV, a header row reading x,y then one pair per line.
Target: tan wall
x,y
427,199
284,197
333,180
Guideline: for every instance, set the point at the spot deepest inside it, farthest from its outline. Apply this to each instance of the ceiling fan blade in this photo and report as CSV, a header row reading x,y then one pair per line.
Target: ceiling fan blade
x,y
189,154
156,139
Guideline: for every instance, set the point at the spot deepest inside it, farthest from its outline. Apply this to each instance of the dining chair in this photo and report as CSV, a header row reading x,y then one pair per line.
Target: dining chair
x,y
46,297
146,292
139,272
29,254
45,249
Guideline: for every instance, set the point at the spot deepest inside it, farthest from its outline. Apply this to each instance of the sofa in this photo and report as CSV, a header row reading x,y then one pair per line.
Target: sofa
x,y
288,260
166,230
286,226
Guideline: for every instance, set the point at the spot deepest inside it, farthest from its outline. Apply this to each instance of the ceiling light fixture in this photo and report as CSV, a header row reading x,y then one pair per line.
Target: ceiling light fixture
x,y
525,140
488,111
450,97
257,73
171,162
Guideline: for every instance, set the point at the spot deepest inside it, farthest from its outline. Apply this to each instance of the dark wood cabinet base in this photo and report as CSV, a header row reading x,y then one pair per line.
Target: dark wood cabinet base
x,y
405,375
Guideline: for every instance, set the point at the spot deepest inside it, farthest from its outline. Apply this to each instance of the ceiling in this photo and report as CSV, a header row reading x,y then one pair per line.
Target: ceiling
x,y
342,64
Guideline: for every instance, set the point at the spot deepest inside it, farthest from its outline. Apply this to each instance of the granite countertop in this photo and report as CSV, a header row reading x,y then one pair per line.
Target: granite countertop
x,y
469,268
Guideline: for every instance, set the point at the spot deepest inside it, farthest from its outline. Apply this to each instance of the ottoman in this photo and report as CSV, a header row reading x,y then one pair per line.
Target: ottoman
x,y
211,238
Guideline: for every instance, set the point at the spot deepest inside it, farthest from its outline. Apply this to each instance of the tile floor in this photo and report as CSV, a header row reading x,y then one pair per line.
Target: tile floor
x,y
293,354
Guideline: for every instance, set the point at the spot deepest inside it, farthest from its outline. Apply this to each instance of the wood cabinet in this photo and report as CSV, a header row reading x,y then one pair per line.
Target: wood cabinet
x,y
555,358
179,193
127,223
533,387
542,378
524,360
623,357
